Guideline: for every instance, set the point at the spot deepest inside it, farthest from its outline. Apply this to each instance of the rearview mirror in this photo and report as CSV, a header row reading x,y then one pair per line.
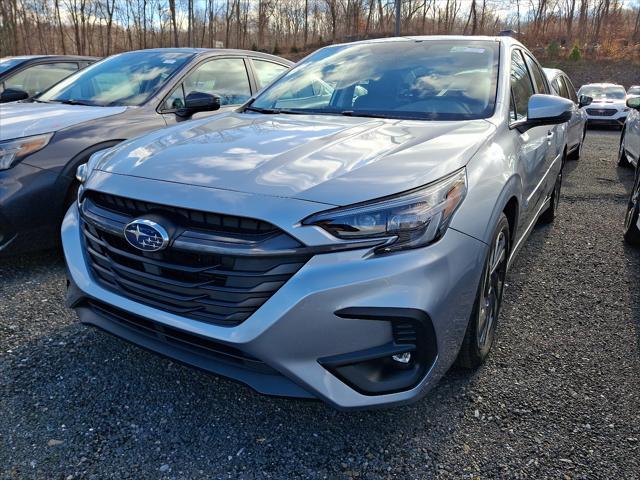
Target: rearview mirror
x,y
199,102
584,100
13,95
633,102
546,110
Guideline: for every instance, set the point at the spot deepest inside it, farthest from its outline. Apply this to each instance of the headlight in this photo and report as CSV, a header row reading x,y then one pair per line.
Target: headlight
x,y
415,218
12,151
84,170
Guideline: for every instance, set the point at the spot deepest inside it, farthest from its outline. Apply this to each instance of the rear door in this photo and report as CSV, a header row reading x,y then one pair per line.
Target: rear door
x,y
226,77
532,146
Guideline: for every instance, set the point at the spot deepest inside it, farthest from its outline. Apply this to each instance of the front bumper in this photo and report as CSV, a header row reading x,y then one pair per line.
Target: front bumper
x,y
29,207
291,334
616,119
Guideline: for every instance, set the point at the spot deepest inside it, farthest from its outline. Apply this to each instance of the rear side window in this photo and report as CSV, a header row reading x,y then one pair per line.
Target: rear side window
x,y
537,74
39,78
571,90
267,71
563,88
521,86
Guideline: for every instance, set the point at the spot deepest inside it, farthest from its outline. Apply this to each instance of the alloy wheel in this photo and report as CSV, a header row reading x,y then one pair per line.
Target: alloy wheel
x,y
632,207
492,291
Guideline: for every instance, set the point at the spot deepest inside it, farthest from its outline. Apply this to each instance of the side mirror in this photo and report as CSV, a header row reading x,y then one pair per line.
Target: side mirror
x,y
633,102
584,100
546,110
199,102
13,95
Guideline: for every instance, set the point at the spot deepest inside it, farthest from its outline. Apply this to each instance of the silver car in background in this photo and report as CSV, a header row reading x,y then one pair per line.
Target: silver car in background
x,y
346,246
629,152
562,86
609,103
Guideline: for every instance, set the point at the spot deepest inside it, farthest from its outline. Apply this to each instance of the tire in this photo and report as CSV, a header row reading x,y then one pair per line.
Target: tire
x,y
623,161
631,232
72,195
577,153
549,215
481,328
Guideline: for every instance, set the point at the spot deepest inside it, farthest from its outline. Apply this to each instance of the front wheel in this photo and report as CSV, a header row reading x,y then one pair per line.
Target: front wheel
x,y
577,152
623,160
551,212
481,329
631,231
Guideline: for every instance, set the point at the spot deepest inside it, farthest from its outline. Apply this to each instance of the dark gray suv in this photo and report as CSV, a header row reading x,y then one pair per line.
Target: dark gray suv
x,y
43,142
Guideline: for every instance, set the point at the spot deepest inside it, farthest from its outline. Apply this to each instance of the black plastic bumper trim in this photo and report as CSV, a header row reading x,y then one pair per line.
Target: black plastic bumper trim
x,y
273,384
371,371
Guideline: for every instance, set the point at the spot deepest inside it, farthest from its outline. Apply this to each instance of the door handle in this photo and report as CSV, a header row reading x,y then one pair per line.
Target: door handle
x,y
550,134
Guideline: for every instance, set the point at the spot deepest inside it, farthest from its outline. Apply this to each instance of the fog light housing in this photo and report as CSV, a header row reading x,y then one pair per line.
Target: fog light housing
x,y
395,366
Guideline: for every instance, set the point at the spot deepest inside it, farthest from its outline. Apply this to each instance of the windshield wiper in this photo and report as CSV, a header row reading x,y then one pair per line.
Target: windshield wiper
x,y
275,111
77,102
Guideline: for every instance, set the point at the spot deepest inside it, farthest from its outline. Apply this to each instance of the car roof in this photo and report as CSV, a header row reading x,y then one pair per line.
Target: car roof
x,y
505,40
214,52
52,57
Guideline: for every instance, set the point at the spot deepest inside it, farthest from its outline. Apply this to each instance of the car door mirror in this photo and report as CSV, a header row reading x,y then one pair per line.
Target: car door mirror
x,y
13,95
584,101
546,110
633,102
199,102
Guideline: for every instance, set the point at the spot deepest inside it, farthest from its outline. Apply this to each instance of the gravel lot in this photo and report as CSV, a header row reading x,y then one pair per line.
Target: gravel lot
x,y
559,397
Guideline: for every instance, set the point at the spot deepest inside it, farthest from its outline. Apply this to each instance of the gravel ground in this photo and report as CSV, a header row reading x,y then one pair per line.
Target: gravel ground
x,y
558,398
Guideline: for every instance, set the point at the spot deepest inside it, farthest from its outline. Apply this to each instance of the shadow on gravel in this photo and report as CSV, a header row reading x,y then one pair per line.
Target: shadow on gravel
x,y
106,399
16,266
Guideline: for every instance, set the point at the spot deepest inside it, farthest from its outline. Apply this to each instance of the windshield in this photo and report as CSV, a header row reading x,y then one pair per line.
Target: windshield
x,y
610,93
634,91
428,80
9,62
126,79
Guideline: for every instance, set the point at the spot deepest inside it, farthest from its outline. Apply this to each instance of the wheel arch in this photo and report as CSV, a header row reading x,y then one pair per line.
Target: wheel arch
x,y
66,178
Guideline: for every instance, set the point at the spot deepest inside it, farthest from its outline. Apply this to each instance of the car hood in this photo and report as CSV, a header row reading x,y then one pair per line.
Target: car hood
x,y
603,102
24,119
327,159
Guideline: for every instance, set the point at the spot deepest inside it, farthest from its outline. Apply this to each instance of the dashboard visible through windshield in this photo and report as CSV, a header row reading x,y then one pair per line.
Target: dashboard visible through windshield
x,y
434,80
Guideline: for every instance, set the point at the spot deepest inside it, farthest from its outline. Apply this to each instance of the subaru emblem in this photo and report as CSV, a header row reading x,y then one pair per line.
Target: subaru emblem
x,y
146,235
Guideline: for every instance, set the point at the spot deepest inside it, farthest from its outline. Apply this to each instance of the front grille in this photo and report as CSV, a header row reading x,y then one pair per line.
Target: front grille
x,y
180,338
214,274
602,112
194,218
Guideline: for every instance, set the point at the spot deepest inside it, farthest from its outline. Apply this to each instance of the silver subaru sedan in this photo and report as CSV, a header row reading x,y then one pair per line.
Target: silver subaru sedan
x,y
344,235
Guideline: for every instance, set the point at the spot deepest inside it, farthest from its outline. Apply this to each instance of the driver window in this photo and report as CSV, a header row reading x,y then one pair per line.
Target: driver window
x,y
521,85
225,77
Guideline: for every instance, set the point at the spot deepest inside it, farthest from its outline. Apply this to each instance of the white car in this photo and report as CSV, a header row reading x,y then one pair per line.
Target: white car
x,y
609,103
